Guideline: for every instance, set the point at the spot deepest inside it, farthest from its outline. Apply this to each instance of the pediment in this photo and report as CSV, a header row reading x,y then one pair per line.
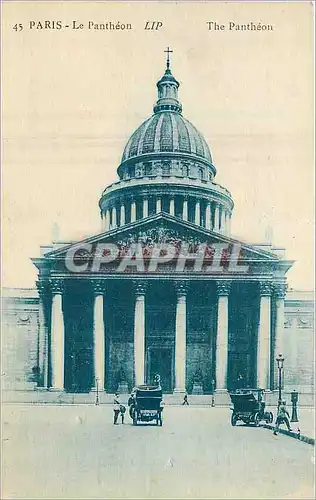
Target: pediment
x,y
164,229
140,241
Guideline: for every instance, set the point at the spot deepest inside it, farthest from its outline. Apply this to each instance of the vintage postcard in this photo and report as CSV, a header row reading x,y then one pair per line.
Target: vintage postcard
x,y
157,332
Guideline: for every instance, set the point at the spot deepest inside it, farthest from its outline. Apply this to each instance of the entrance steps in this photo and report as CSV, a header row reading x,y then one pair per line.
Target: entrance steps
x,y
43,396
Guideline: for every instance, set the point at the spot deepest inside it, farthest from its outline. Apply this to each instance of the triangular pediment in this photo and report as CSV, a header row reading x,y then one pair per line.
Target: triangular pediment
x,y
154,232
163,228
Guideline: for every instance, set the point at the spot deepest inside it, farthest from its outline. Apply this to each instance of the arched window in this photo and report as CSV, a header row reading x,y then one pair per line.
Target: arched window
x,y
148,168
201,174
185,170
166,168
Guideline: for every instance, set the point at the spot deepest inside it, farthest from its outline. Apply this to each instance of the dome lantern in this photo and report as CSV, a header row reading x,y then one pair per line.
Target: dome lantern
x,y
168,91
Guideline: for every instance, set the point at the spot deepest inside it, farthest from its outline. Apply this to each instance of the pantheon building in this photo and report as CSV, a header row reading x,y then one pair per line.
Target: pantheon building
x,y
199,327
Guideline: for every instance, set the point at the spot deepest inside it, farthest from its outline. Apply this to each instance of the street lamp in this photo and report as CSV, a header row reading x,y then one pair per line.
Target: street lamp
x,y
213,393
97,391
280,361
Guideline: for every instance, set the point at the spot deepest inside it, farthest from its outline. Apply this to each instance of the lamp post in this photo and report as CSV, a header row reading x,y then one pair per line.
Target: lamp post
x,y
213,393
97,392
280,361
294,400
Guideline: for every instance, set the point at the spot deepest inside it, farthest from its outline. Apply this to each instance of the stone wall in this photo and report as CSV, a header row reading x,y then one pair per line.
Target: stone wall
x,y
19,350
299,350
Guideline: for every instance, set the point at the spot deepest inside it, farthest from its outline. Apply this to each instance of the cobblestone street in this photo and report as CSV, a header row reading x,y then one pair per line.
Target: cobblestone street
x,y
76,452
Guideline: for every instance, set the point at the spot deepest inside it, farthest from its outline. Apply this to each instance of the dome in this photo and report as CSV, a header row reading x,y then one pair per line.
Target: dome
x,y
166,132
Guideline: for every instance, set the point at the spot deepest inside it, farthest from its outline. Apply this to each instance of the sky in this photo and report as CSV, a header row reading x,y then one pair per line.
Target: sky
x,y
72,98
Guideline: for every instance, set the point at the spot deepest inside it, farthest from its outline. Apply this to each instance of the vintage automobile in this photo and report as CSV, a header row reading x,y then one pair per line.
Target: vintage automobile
x,y
145,404
248,407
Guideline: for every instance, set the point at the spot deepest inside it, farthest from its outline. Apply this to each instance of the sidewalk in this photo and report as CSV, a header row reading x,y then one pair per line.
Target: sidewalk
x,y
306,426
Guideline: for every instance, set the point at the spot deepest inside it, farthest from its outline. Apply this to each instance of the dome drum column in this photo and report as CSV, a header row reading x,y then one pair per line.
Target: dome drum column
x,y
107,220
197,216
158,205
208,216
114,218
133,211
122,214
185,211
222,220
145,207
216,218
172,206
228,223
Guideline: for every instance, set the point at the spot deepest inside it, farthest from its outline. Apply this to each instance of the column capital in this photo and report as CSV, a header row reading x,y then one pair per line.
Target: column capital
x,y
265,288
181,288
279,290
42,287
223,287
140,287
57,286
98,286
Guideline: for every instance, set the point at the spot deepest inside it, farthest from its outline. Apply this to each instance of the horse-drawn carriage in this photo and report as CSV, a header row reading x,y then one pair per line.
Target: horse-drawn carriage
x,y
248,407
145,404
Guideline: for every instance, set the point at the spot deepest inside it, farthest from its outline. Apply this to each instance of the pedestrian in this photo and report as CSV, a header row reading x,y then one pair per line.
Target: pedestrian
x,y
283,417
116,408
240,381
185,400
122,411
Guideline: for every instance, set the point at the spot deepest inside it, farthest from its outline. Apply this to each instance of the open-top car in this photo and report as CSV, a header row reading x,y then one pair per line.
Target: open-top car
x,y
248,408
145,404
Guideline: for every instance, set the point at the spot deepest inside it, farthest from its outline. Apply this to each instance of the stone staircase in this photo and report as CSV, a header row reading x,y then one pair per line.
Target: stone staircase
x,y
221,399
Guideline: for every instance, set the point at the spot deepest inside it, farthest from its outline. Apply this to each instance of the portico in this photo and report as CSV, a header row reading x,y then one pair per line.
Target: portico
x,y
211,327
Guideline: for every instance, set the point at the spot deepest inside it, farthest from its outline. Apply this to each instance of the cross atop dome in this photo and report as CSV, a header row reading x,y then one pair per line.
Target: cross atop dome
x,y
168,89
168,51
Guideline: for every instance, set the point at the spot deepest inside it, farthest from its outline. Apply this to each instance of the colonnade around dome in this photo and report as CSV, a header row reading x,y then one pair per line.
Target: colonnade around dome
x,y
202,212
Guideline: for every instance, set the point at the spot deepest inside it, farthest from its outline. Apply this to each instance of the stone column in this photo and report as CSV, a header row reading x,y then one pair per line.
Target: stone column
x,y
181,334
133,211
223,290
158,205
139,333
197,217
222,223
208,216
98,334
145,207
57,346
114,223
216,218
228,223
172,207
279,290
42,380
122,214
264,336
103,222
107,220
185,211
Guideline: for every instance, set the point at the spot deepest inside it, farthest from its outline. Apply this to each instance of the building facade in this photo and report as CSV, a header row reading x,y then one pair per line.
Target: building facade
x,y
116,308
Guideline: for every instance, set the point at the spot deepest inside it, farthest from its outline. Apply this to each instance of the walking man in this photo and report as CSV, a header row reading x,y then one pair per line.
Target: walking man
x,y
283,417
116,408
185,400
